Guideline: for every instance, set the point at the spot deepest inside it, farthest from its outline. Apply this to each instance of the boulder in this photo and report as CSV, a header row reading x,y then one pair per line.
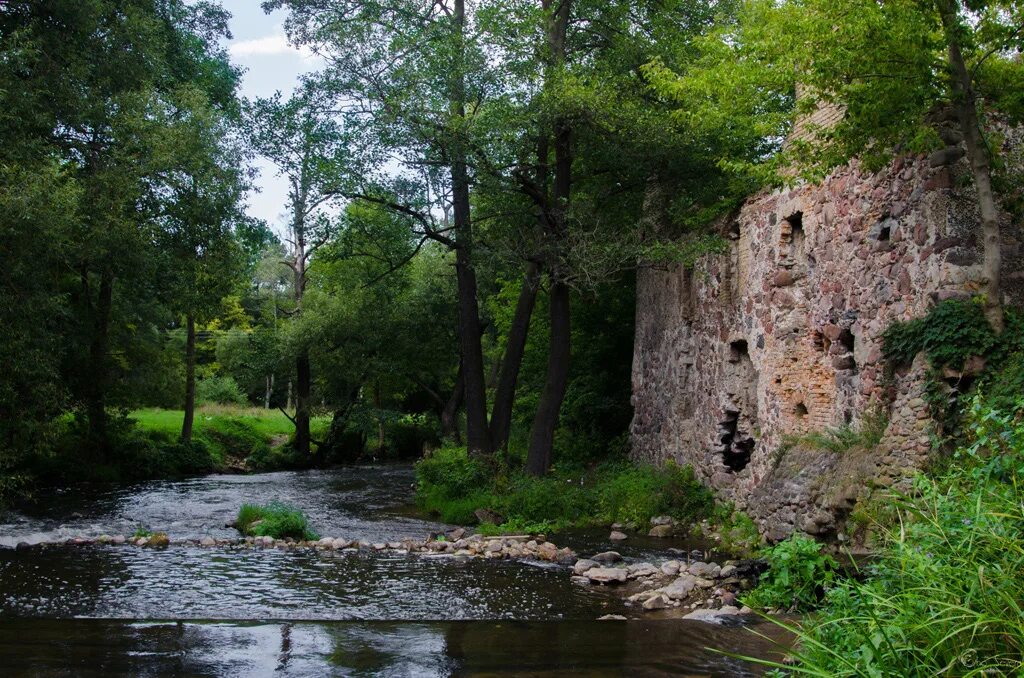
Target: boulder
x,y
681,587
670,568
607,557
727,571
657,602
662,520
456,534
642,570
617,536
662,531
704,570
607,575
207,541
583,565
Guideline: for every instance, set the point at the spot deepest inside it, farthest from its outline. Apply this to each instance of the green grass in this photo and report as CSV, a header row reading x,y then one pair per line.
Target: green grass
x,y
276,520
452,485
230,432
945,595
269,423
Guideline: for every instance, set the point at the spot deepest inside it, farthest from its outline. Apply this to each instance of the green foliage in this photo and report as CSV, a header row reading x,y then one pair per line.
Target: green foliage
x,y
734,530
798,575
946,594
950,333
628,493
274,519
454,485
219,390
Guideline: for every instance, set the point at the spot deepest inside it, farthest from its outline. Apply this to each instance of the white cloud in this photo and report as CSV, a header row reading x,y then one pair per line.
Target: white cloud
x,y
268,45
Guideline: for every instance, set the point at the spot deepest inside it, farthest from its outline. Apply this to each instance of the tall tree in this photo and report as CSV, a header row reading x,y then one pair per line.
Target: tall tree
x,y
300,137
411,77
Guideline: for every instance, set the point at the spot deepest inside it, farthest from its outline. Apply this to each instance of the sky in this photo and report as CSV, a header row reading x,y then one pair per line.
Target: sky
x,y
259,46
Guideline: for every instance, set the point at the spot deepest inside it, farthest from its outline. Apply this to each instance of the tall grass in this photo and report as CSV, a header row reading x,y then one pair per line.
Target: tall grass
x,y
453,485
274,519
946,595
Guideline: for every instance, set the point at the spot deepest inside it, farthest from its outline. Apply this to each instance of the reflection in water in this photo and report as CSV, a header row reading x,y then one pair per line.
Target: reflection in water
x,y
587,648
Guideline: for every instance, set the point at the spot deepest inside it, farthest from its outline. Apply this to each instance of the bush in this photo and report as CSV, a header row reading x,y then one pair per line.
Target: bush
x,y
453,485
223,390
946,595
274,519
797,578
636,494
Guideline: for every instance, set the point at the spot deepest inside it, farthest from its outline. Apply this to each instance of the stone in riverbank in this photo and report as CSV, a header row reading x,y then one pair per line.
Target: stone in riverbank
x,y
607,575
617,536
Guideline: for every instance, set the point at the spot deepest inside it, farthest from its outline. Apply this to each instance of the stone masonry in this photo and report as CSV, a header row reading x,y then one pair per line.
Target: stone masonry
x,y
782,336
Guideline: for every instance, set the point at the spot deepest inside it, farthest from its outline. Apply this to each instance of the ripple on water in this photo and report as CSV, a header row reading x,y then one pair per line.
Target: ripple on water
x,y
179,582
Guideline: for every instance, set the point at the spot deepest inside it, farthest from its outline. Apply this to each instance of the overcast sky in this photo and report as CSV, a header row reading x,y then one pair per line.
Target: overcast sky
x,y
259,45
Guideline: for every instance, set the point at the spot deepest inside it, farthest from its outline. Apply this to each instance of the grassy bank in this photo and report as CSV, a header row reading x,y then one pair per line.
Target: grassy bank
x,y
452,485
945,595
146,444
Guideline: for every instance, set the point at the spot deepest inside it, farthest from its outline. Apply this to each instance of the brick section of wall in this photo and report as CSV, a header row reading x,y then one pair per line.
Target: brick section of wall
x,y
782,335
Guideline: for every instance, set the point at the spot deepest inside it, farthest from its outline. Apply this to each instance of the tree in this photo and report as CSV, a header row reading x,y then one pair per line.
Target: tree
x,y
306,145
203,258
99,88
410,77
897,70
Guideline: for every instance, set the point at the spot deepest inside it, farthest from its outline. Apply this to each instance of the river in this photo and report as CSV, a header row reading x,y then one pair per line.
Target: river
x,y
123,610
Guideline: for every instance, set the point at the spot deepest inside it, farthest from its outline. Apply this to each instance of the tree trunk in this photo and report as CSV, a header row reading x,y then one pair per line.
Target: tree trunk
x,y
542,435
302,390
515,348
450,413
96,391
965,102
268,392
190,379
478,438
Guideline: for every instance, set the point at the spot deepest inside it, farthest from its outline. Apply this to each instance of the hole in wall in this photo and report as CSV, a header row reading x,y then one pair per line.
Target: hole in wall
x,y
738,350
797,237
800,410
734,230
736,449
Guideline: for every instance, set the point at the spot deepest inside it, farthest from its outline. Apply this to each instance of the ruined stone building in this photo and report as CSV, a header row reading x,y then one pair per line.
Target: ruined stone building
x,y
781,335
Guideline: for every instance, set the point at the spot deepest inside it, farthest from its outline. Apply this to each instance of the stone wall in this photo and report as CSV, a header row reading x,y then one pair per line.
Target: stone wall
x,y
782,336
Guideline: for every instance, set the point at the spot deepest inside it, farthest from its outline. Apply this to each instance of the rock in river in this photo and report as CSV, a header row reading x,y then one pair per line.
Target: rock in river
x,y
606,575
607,557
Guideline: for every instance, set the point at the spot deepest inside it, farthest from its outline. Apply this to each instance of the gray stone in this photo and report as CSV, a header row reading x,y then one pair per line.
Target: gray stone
x,y
681,587
617,536
207,541
607,575
657,602
607,557
670,568
583,565
612,617
704,570
662,531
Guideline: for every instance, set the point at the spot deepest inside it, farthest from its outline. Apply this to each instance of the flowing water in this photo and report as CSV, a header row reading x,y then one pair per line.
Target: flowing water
x,y
124,610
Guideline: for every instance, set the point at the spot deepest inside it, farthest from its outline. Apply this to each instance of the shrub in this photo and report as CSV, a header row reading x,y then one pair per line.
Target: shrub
x,y
274,519
223,390
950,333
638,493
798,575
946,595
452,472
